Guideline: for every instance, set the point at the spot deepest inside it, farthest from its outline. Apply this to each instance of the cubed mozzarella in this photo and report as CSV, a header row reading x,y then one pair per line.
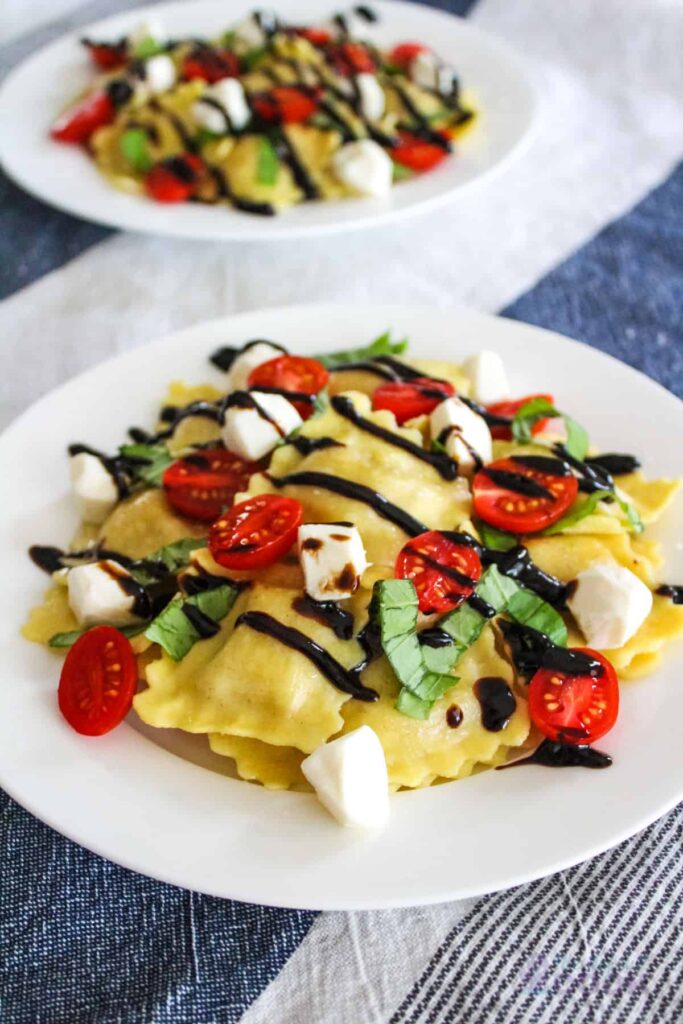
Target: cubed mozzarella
x,y
349,776
365,167
333,559
463,433
149,28
610,604
371,96
234,114
424,70
97,594
489,379
94,487
160,73
248,359
253,432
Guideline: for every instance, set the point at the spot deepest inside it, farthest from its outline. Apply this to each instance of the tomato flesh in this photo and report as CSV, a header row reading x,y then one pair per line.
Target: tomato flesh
x,y
174,180
78,123
256,532
575,709
317,36
443,570
291,373
210,65
416,154
285,105
515,501
98,681
201,485
353,59
405,53
107,56
410,398
507,410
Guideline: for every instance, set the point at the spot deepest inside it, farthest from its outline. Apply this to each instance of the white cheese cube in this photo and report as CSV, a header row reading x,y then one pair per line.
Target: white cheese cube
x,y
365,167
333,559
610,604
94,487
371,96
248,359
97,594
464,434
253,432
160,73
229,94
489,379
150,27
424,70
349,776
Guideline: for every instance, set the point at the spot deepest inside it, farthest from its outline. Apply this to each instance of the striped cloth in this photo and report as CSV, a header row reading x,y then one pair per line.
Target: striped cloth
x,y
584,236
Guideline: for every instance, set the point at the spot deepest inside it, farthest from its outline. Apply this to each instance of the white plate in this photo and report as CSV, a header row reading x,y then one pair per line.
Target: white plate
x,y
63,176
131,800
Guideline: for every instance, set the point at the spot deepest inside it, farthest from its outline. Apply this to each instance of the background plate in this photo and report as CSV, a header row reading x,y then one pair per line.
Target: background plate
x,y
144,805
39,88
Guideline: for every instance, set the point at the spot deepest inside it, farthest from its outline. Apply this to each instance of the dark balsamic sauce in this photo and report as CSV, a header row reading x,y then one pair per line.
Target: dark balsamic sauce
x,y
224,191
291,396
174,415
454,716
517,483
141,603
490,418
497,702
203,623
327,613
517,564
614,464
288,154
480,605
543,463
52,559
368,366
531,650
671,590
224,357
306,445
445,466
181,131
345,680
435,637
591,477
553,754
118,466
357,492
245,400
445,570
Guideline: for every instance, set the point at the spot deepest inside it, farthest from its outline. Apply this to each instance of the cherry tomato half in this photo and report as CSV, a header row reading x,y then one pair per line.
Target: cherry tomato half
x,y
317,36
210,65
415,153
77,124
410,398
291,373
520,498
256,532
107,55
98,681
351,59
443,570
174,180
508,409
575,709
284,104
201,485
405,53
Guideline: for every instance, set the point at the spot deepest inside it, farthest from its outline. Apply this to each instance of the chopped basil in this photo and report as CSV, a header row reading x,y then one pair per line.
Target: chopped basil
x,y
401,173
134,145
148,47
154,460
173,557
497,540
588,507
174,631
540,408
466,624
253,58
382,346
268,164
69,639
529,609
203,136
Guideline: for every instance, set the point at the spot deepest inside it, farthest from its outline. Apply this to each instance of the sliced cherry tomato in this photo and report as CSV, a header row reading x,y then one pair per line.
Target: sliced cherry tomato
x,y
256,532
98,681
210,65
285,104
415,153
410,398
520,498
443,570
351,59
78,123
317,36
405,53
292,373
508,409
201,485
575,709
107,55
176,179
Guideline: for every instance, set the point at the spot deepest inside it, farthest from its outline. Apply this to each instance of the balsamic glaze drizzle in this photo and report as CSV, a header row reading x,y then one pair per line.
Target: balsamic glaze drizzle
x,y
119,467
306,445
544,464
614,464
327,613
553,754
224,357
517,483
174,415
245,400
497,702
671,590
531,650
203,623
517,564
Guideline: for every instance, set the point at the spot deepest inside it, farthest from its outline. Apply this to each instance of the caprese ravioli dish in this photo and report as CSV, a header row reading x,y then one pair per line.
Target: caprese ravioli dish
x,y
359,572
267,115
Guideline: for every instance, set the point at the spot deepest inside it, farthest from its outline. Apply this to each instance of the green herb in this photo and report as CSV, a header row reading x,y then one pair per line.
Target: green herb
x,y
466,624
497,540
228,38
135,148
321,401
382,346
172,629
253,58
391,69
173,556
61,640
204,136
401,173
540,408
148,48
154,460
268,165
588,507
321,121
531,610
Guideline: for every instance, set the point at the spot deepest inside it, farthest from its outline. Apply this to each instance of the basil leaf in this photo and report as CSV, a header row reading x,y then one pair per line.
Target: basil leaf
x,y
148,47
631,512
540,408
134,145
577,438
531,610
268,165
497,540
172,629
254,57
465,624
382,346
401,173
61,640
173,557
155,459
588,507
203,136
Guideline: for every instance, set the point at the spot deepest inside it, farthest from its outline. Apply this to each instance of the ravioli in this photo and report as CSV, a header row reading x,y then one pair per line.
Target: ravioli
x,y
145,522
274,767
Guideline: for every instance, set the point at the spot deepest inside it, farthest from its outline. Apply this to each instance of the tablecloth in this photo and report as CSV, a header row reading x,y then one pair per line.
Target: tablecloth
x,y
583,235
